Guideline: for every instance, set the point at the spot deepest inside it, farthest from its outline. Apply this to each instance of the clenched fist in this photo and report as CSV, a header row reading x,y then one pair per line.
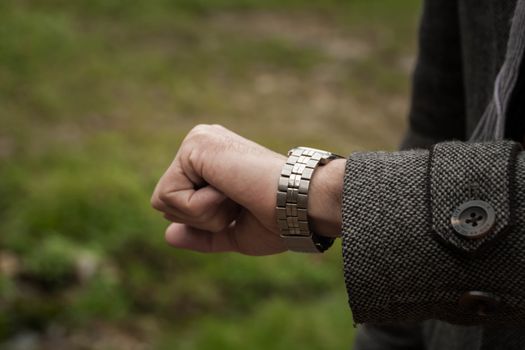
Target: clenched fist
x,y
220,193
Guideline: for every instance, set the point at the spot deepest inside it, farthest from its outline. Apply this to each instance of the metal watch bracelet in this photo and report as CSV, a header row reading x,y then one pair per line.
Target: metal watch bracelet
x,y
292,200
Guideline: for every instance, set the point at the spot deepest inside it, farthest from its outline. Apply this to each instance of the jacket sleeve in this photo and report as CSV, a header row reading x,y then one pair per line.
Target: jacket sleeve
x,y
411,249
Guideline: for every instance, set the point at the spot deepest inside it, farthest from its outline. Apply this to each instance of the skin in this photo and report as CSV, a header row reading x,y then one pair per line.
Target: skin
x,y
219,194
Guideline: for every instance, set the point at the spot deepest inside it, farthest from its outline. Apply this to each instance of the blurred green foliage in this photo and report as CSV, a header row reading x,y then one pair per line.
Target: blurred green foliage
x,y
95,96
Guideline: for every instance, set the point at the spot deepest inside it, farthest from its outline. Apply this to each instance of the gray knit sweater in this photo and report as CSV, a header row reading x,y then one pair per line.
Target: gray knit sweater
x,y
412,247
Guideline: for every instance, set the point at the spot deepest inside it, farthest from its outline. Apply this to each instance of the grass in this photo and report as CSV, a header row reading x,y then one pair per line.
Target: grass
x,y
95,97
274,325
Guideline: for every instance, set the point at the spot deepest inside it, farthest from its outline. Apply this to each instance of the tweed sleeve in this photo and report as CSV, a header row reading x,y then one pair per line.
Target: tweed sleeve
x,y
404,260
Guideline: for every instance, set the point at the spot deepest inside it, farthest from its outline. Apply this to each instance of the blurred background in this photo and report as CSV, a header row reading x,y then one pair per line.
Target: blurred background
x,y
95,97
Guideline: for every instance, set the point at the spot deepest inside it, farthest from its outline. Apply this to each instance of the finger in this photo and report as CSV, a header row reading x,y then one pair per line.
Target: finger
x,y
175,191
173,179
187,237
214,220
192,203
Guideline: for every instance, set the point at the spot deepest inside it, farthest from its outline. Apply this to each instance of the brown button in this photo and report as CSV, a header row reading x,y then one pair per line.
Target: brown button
x,y
473,219
479,303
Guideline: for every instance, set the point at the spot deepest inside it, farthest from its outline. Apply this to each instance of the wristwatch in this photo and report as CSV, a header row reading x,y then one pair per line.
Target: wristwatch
x,y
292,200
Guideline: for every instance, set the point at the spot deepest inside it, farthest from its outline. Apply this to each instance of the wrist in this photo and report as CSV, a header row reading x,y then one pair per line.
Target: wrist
x,y
325,198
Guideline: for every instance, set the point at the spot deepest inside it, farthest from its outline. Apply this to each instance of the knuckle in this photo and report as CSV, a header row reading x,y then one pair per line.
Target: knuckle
x,y
200,130
218,126
206,132
200,137
164,198
156,203
194,158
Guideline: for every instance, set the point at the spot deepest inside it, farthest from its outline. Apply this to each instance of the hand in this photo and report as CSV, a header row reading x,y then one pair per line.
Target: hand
x,y
220,193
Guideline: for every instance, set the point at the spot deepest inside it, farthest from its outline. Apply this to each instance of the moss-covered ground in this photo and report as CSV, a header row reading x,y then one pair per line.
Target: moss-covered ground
x,y
96,95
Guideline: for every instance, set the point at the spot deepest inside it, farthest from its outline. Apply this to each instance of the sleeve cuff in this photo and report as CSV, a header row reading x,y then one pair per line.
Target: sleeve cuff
x,y
395,270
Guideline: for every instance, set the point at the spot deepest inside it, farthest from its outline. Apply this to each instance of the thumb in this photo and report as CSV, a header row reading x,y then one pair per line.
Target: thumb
x,y
246,235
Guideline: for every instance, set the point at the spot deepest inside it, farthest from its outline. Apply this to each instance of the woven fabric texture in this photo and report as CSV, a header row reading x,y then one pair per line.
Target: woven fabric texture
x,y
459,172
396,271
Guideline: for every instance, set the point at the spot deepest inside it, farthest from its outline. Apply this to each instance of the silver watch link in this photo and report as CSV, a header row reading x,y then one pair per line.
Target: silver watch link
x,y
292,200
